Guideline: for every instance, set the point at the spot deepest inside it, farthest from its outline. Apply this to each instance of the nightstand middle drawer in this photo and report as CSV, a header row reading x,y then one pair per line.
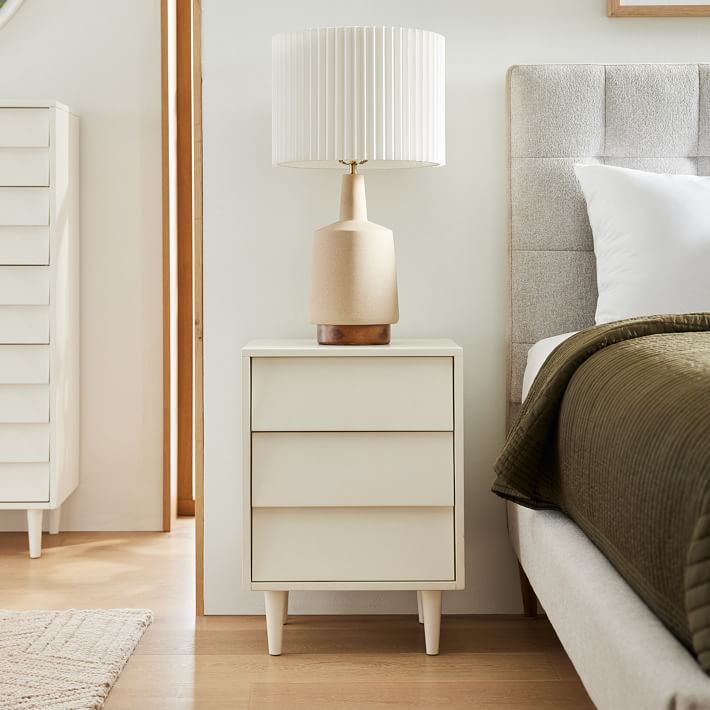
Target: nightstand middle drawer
x,y
331,469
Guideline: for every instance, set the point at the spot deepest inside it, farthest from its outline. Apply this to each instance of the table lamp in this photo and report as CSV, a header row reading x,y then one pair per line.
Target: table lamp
x,y
344,97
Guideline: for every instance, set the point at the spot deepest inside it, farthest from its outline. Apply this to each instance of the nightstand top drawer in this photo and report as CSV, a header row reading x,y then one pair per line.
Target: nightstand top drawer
x,y
352,394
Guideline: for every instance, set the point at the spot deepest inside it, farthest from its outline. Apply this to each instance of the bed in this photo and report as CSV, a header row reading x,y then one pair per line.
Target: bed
x,y
651,117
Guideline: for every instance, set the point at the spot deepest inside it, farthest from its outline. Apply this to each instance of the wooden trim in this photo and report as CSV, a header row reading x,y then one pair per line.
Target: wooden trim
x,y
616,9
197,271
182,262
167,115
185,224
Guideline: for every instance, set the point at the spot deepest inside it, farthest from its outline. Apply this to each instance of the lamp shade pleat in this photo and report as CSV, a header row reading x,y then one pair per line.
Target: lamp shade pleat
x,y
358,93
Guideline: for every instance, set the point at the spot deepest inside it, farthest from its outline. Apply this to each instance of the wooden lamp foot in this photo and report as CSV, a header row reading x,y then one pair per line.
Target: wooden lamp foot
x,y
353,334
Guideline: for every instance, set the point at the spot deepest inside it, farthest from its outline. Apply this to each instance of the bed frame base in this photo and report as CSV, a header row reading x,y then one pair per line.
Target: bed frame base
x,y
530,602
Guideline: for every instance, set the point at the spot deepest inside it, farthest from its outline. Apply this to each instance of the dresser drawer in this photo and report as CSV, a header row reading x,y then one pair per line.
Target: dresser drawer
x,y
352,394
352,544
24,324
24,443
24,245
24,285
24,167
24,482
24,206
24,403
24,364
24,127
333,469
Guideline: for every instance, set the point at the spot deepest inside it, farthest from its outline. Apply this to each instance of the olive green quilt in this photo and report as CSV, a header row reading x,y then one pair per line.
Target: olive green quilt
x,y
615,432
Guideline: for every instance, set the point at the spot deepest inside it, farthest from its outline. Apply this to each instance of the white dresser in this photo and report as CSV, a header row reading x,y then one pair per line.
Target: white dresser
x,y
353,472
39,310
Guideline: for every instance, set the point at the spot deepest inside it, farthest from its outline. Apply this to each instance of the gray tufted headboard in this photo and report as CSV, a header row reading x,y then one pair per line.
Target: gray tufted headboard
x,y
646,116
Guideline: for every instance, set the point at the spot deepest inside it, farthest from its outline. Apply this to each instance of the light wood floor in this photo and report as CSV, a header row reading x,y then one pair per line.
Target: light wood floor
x,y
220,663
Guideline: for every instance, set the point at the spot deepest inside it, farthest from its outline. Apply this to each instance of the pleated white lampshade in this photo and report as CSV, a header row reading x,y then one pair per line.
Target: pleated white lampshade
x,y
358,93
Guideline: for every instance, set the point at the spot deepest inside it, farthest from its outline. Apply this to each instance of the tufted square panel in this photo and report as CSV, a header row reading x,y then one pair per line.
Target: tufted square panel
x,y
644,116
704,106
549,211
652,110
553,98
552,292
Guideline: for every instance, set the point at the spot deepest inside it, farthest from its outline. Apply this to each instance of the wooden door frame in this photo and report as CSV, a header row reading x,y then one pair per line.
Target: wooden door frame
x,y
185,90
182,264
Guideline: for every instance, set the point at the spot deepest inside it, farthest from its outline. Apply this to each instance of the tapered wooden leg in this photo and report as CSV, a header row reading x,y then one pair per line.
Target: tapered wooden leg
x,y
275,603
419,607
54,518
34,532
431,609
528,593
286,610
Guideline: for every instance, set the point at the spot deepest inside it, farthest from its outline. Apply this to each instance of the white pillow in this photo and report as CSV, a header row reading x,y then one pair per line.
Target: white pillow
x,y
651,241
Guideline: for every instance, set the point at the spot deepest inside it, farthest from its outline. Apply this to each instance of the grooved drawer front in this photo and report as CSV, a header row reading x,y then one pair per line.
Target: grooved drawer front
x,y
24,403
24,167
24,443
352,469
24,324
352,394
24,127
24,206
24,482
24,364
352,544
24,285
24,245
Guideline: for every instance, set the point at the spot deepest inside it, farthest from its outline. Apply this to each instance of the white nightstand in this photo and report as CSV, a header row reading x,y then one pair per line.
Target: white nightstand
x,y
353,472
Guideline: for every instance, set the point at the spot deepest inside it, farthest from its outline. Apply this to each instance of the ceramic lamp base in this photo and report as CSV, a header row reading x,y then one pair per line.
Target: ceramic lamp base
x,y
354,276
353,334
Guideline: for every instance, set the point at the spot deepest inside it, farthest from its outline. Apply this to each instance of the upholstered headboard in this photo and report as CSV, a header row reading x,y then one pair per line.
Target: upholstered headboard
x,y
646,116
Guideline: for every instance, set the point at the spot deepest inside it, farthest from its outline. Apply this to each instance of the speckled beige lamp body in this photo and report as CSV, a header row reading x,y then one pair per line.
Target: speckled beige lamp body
x,y
354,275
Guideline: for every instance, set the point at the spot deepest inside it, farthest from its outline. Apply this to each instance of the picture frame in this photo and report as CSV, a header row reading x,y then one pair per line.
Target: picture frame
x,y
649,8
7,9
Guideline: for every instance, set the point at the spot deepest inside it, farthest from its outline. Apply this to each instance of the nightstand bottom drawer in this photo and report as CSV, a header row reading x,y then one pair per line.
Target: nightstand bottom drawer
x,y
352,544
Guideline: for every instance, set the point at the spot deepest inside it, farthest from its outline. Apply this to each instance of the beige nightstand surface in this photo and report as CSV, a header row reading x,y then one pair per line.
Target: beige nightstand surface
x,y
353,472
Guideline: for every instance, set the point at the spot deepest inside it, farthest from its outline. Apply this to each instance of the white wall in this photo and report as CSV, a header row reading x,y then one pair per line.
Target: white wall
x,y
450,228
103,60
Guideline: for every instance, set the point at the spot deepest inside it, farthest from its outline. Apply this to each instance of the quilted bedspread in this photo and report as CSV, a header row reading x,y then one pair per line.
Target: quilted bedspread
x,y
615,432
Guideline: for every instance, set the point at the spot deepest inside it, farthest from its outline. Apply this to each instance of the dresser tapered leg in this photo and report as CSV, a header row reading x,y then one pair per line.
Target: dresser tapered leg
x,y
286,609
431,609
275,604
54,518
34,532
419,607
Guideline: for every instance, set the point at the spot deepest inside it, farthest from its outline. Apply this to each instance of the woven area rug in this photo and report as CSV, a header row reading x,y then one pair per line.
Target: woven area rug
x,y
65,660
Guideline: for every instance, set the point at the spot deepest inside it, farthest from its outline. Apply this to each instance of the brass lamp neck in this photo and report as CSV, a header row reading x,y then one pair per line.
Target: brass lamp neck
x,y
352,164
